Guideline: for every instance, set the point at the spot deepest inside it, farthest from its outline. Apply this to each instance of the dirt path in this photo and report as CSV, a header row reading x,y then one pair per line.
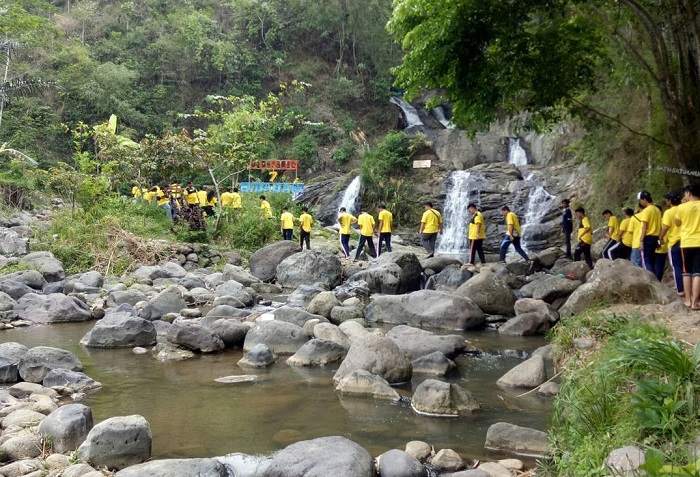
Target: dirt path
x,y
683,323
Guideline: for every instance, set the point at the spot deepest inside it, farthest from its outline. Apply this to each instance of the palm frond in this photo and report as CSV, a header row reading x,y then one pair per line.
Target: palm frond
x,y
7,47
21,87
4,149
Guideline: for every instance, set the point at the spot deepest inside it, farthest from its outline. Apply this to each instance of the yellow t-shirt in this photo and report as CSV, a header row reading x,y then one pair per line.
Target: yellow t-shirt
x,y
305,221
512,219
148,196
366,223
689,215
626,238
201,197
236,200
191,196
673,234
636,228
583,236
213,201
136,191
432,219
614,224
346,220
652,216
226,199
476,227
266,209
386,218
287,220
162,198
175,191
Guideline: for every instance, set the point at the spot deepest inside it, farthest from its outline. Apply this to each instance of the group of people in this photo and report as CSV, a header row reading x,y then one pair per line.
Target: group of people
x,y
367,227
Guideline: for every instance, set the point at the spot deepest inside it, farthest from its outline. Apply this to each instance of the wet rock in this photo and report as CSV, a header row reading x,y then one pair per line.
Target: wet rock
x,y
263,263
45,263
357,289
529,374
341,314
70,381
200,467
625,461
411,268
67,427
527,324
416,342
296,316
53,308
323,303
310,266
447,460
494,469
260,356
327,331
548,389
378,355
279,336
439,398
397,463
194,337
489,292
449,279
120,330
510,439
317,352
169,352
419,449
435,363
364,383
169,300
10,355
303,294
231,332
118,442
38,361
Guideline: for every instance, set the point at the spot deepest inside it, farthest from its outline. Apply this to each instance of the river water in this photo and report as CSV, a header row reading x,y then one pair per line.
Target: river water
x,y
193,416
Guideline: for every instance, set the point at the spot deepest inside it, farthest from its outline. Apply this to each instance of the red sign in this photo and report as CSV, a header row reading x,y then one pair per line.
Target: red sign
x,y
275,165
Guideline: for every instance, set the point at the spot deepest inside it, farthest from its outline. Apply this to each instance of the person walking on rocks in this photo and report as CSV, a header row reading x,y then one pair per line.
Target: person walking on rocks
x,y
512,235
585,238
366,223
671,235
567,225
385,219
635,228
305,221
476,235
688,219
624,237
430,226
287,224
345,220
650,217
613,231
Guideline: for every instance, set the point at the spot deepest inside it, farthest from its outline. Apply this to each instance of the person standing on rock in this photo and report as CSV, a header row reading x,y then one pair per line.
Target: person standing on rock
x,y
345,220
430,226
567,225
624,237
366,223
650,217
512,235
671,235
612,232
585,238
477,234
635,228
305,221
265,208
287,224
688,219
385,219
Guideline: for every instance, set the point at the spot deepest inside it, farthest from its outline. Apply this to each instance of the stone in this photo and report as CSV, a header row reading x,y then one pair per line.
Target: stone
x,y
364,383
120,330
310,266
378,355
494,469
527,324
617,281
317,352
70,381
57,461
489,292
302,296
625,461
435,363
322,457
328,331
426,309
510,439
118,442
296,316
549,389
469,473
15,290
419,449
173,270
532,305
31,278
239,274
132,297
550,288
447,460
263,263
545,351
200,467
92,279
323,303
260,356
42,404
77,470
21,446
236,290
279,336
387,279
22,418
23,390
439,263
191,281
528,374
357,289
397,463
353,330
341,314
67,427
438,398
512,464
231,332
52,308
577,269
194,337
21,467
233,258
38,361
148,273
12,243
10,354
45,263
7,303
411,268
449,279
416,342
169,352
169,300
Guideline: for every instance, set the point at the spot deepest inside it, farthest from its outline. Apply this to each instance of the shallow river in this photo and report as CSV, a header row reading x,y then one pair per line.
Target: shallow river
x,y
191,415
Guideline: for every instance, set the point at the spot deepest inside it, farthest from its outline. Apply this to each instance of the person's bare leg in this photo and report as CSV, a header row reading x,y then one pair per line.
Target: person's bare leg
x,y
696,293
687,289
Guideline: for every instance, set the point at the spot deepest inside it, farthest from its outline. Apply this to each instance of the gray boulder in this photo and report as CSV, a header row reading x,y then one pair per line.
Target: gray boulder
x,y
118,442
120,330
439,263
169,300
239,274
449,279
194,337
317,352
191,281
231,332
550,288
416,342
67,427
15,290
322,457
532,305
323,303
92,279
131,297
36,363
448,460
625,461
489,292
260,356
386,279
578,269
279,336
510,439
378,355
527,324
263,263
327,331
53,308
364,383
10,355
411,268
438,398
341,314
201,467
296,316
20,446
148,273
310,266
397,463
435,363
303,295
173,270
12,243
356,289
7,303
426,309
71,381
528,374
45,263
234,289
31,278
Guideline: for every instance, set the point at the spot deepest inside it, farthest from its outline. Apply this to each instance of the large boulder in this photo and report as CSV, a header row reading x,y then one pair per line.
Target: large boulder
x,y
528,374
411,268
426,309
118,442
45,263
239,274
489,292
11,243
302,296
327,331
131,297
527,324
435,363
438,398
387,279
71,381
52,308
550,288
439,263
297,316
379,355
194,337
169,300
199,467
67,427
31,278
614,282
10,355
322,457
364,383
279,336
260,356
231,332
35,364
317,352
397,463
531,305
310,266
416,342
120,330
449,279
263,263
323,303
510,439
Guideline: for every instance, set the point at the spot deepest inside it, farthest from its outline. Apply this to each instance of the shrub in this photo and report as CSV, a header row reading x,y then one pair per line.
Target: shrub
x,y
305,148
344,154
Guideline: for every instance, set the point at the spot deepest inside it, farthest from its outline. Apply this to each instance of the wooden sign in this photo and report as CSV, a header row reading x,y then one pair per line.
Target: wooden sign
x,y
425,164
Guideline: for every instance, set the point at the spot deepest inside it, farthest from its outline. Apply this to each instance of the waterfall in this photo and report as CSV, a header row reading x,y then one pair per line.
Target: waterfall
x,y
351,197
539,203
463,187
410,114
439,114
516,154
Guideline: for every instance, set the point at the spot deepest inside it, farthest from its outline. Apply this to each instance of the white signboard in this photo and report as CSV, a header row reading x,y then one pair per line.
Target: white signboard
x,y
422,164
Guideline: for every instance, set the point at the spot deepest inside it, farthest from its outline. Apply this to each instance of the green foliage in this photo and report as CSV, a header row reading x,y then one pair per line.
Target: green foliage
x,y
305,148
344,153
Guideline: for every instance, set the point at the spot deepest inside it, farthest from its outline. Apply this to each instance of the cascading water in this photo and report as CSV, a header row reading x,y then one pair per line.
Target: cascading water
x,y
516,153
539,204
351,197
463,187
439,114
410,114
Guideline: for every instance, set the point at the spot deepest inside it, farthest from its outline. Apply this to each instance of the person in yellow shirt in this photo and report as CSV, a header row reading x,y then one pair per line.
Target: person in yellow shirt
x,y
345,220
688,219
366,223
191,194
585,237
151,194
305,221
136,192
227,199
624,237
286,223
635,227
671,236
207,201
163,201
236,202
612,232
430,226
476,235
650,217
386,219
512,236
265,208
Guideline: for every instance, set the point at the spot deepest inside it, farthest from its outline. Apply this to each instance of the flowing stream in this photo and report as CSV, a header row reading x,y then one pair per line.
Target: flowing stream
x,y
351,197
410,114
539,204
516,153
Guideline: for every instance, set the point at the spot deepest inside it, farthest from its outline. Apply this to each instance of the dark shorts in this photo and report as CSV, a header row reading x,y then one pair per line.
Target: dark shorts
x,y
691,261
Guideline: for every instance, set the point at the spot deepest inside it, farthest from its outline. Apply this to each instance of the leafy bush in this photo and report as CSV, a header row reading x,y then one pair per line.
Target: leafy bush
x,y
344,154
305,148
